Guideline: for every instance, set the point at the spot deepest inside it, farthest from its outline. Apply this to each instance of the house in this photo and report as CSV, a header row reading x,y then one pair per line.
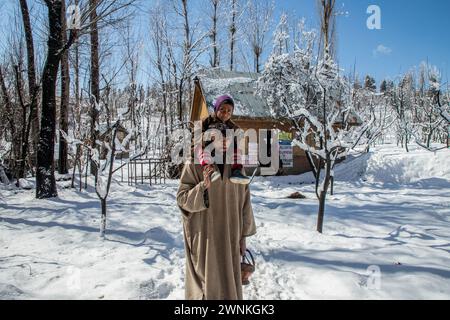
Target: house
x,y
104,134
251,112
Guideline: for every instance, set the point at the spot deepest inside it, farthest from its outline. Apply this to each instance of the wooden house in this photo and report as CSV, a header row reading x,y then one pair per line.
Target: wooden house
x,y
104,134
251,112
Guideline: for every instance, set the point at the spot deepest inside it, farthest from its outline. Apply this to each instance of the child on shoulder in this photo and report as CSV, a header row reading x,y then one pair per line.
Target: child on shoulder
x,y
221,121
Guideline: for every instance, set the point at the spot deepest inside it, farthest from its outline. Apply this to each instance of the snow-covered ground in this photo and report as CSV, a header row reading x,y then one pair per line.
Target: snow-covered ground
x,y
386,236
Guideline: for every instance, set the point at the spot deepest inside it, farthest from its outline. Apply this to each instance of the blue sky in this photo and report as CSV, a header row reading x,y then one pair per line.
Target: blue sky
x,y
412,31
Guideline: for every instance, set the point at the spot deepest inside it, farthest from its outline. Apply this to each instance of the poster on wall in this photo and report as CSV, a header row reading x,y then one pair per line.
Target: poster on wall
x,y
286,150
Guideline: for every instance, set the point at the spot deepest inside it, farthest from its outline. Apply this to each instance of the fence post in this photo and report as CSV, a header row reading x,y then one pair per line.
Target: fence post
x,y
135,173
150,174
150,171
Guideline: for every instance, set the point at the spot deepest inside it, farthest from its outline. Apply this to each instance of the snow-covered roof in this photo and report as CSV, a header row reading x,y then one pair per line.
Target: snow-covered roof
x,y
104,128
240,85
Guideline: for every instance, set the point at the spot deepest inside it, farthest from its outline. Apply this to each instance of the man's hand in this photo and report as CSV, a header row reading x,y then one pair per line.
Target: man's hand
x,y
243,246
207,175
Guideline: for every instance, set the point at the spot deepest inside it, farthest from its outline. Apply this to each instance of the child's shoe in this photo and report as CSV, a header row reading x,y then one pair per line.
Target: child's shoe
x,y
215,176
238,177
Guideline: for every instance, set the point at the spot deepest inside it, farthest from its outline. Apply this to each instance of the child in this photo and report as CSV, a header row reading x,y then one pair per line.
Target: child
x,y
221,120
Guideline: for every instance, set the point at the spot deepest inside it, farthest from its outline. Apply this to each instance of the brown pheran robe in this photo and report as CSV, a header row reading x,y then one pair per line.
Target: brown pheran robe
x,y
213,226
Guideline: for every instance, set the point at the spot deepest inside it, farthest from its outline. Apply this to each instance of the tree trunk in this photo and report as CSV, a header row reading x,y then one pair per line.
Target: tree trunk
x,y
33,87
65,94
257,57
406,142
77,158
23,140
103,219
321,211
9,114
429,138
233,34
323,195
215,59
77,117
108,184
88,157
332,185
95,77
180,102
45,175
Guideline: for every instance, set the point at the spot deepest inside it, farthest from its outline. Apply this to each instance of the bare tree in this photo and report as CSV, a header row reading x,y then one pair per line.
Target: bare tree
x,y
192,49
233,30
32,123
158,21
9,114
94,76
45,178
327,15
259,21
216,6
65,97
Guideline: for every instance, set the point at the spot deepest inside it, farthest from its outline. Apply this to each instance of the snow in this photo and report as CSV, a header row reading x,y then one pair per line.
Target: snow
x,y
390,213
25,184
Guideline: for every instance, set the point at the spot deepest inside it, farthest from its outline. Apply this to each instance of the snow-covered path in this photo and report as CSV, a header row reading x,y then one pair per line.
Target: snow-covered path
x,y
391,213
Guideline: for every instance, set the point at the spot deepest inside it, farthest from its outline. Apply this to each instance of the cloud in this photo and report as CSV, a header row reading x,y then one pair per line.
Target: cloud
x,y
382,50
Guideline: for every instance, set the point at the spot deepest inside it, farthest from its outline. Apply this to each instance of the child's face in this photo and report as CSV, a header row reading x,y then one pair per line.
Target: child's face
x,y
225,112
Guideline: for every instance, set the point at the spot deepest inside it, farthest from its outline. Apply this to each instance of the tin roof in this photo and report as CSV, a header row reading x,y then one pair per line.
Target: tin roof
x,y
240,85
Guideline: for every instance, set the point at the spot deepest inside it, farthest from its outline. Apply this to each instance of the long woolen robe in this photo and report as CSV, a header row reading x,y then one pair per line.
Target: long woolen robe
x,y
214,221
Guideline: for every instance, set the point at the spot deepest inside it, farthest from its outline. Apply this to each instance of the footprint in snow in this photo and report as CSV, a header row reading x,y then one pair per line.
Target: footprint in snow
x,y
150,290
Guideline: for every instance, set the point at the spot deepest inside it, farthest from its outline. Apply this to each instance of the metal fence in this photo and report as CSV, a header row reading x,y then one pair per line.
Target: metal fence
x,y
147,170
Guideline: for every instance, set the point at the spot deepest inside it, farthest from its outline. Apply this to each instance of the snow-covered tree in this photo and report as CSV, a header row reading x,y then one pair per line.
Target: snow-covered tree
x,y
319,102
370,84
105,170
429,115
105,167
402,100
281,36
416,101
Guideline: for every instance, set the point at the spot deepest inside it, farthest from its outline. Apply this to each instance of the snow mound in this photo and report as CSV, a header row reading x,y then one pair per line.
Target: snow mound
x,y
353,168
392,165
395,166
26,184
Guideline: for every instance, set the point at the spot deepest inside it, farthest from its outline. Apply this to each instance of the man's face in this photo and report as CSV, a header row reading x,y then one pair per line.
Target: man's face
x,y
225,112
